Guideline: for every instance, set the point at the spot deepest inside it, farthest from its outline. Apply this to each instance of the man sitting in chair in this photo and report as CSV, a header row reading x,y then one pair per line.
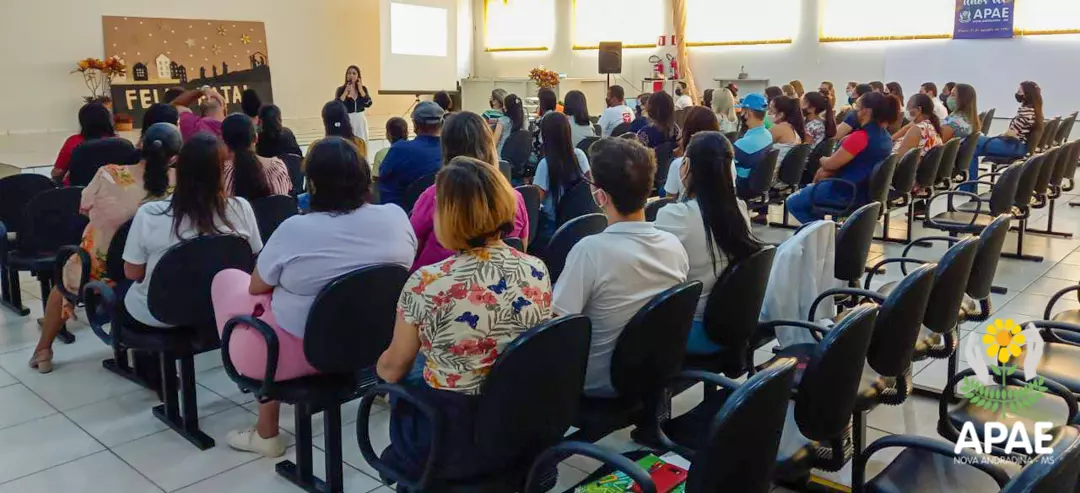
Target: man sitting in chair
x,y
755,144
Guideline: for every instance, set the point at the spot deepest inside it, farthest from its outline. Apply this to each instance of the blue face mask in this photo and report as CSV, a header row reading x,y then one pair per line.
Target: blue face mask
x,y
852,99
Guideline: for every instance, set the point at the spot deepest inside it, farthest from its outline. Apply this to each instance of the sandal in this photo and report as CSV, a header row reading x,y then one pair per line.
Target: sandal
x,y
42,361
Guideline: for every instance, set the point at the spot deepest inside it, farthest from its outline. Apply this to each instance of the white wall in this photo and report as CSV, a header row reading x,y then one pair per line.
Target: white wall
x,y
996,66
310,42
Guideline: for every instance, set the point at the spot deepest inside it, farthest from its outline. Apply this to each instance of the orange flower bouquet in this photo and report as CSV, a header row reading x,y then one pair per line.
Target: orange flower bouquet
x,y
544,78
98,75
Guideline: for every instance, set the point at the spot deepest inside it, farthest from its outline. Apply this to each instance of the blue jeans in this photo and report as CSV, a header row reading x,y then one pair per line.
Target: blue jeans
x,y
993,147
801,204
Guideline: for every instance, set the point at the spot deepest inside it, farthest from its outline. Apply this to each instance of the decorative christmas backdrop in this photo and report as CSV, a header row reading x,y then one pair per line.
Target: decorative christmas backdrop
x,y
160,54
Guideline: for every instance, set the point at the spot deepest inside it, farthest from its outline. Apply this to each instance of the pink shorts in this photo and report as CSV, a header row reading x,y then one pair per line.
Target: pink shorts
x,y
247,348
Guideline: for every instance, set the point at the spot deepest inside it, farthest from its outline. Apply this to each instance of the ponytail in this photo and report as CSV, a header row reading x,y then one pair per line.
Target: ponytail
x,y
883,109
830,118
926,106
156,174
249,181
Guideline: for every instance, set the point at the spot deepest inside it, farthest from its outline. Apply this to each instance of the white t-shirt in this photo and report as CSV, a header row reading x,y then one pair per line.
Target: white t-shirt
x,y
307,252
541,180
613,117
152,234
727,126
683,102
674,185
939,109
578,133
683,219
609,277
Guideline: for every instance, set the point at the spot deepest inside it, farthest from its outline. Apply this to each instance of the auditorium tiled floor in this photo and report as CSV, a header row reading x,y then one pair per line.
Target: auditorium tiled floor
x,y
82,429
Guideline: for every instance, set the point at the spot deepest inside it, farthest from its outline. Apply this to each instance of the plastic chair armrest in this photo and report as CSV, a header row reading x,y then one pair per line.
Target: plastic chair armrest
x,y
916,241
854,191
865,293
100,298
940,447
899,260
1051,326
972,182
1054,299
811,326
62,256
272,351
555,454
363,436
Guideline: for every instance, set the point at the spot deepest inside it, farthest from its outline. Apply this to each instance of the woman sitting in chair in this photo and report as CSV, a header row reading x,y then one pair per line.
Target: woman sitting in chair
x,y
852,163
463,134
789,127
963,119
110,200
710,221
95,122
820,121
924,132
336,123
247,174
459,315
697,120
563,167
275,138
1016,141
304,255
662,128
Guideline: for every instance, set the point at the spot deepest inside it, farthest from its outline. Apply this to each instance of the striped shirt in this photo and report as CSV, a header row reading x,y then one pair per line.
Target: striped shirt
x,y
277,176
1023,122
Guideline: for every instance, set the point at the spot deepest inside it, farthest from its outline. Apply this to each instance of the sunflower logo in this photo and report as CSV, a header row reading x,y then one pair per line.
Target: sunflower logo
x,y
1003,340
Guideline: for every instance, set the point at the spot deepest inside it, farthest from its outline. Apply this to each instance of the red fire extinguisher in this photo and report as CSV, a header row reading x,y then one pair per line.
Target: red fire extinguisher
x,y
674,75
658,73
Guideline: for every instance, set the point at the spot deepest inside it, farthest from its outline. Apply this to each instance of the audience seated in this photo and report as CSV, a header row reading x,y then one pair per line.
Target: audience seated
x,y
159,113
496,115
410,160
707,98
641,114
756,142
697,120
723,104
798,87
947,91
924,132
562,168
877,86
337,122
963,119
930,89
617,111
901,124
110,200
789,128
1014,143
709,220
849,117
250,104
211,112
662,128
305,253
577,110
397,130
610,276
463,134
198,206
274,138
95,122
827,89
443,99
853,161
512,121
789,91
549,101
247,174
456,317
682,98
820,122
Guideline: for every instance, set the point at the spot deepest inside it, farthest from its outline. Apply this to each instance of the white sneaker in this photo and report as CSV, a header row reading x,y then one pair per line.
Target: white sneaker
x,y
249,441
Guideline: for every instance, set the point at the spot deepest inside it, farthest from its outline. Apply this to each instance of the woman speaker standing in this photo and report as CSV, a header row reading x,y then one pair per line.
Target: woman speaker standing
x,y
357,99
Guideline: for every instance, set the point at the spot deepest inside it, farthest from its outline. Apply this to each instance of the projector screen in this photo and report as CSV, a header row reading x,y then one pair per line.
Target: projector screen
x,y
419,45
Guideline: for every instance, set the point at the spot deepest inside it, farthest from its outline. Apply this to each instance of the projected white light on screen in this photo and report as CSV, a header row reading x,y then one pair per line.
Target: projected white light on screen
x,y
417,30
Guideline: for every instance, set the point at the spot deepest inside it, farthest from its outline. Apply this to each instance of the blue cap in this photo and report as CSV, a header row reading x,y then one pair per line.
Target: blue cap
x,y
754,101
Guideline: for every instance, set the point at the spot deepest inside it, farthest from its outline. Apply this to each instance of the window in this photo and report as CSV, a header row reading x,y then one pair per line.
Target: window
x,y
1047,17
865,20
519,25
741,22
637,23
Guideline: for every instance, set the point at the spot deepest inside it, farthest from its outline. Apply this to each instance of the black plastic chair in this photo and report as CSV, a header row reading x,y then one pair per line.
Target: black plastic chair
x,y
525,405
760,182
114,270
947,169
271,211
928,464
1011,194
731,316
988,120
653,207
877,191
506,169
1064,129
853,242
575,202
648,353
295,164
968,146
664,154
517,151
515,243
823,150
531,195
1046,197
93,154
587,143
415,190
15,192
179,295
1046,138
1061,349
925,180
343,347
51,220
564,239
620,129
789,178
899,195
752,415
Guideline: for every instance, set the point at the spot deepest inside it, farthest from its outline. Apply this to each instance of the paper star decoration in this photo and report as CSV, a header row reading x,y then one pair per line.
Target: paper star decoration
x,y
221,30
245,39
215,49
190,43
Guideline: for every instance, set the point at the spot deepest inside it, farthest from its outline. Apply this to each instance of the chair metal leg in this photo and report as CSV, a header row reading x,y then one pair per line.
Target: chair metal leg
x,y
301,472
1019,255
12,295
1049,231
858,432
786,224
120,365
187,424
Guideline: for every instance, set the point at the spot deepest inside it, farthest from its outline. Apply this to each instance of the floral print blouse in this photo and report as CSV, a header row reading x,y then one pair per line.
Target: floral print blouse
x,y
469,307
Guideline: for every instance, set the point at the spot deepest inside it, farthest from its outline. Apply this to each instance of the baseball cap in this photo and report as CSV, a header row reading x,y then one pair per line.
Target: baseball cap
x,y
754,101
428,112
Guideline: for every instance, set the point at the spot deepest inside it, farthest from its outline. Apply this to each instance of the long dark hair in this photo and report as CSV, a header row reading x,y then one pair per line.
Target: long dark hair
x,y
270,128
1033,98
575,107
548,100
335,119
159,113
925,104
249,181
515,111
792,111
95,121
883,109
895,90
662,112
160,143
351,67
698,119
773,92
563,170
199,195
250,102
339,176
821,104
709,181
706,99
967,104
467,134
